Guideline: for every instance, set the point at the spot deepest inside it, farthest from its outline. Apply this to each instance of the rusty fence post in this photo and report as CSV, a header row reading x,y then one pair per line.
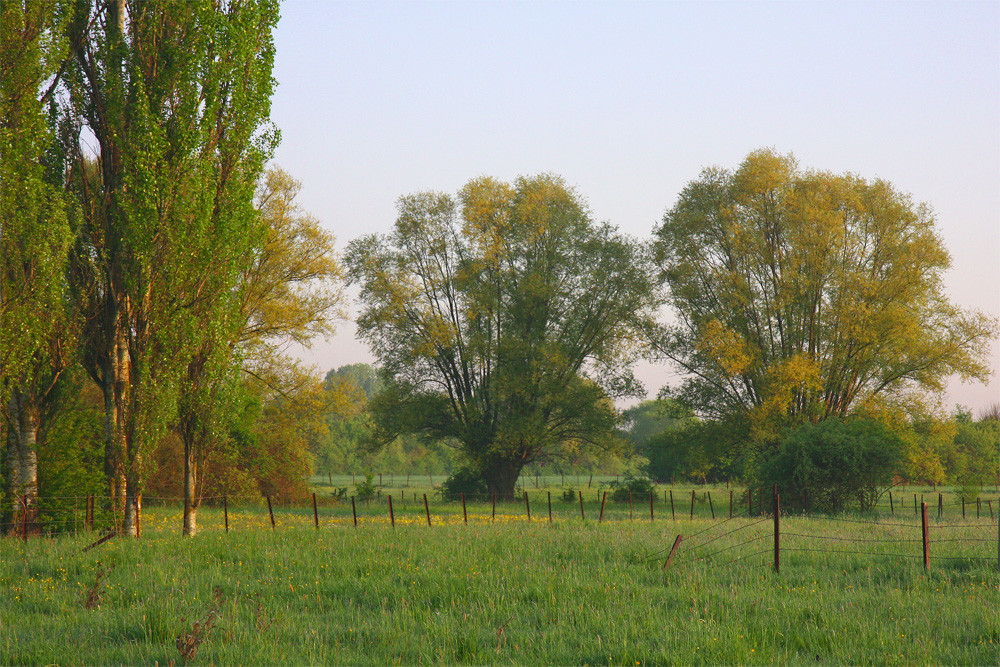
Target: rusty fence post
x,y
673,514
710,505
527,505
650,505
354,512
582,515
225,511
940,506
392,515
692,503
603,500
427,510
465,515
892,507
673,550
270,511
550,505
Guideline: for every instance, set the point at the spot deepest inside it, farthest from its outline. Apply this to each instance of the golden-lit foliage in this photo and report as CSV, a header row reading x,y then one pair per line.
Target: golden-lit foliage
x,y
803,294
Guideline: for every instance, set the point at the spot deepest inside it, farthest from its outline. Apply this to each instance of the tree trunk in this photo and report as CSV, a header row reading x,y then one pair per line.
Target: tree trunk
x,y
501,477
190,482
24,420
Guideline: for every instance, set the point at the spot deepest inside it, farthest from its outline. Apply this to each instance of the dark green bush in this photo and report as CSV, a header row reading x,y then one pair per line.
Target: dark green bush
x,y
630,483
833,463
464,480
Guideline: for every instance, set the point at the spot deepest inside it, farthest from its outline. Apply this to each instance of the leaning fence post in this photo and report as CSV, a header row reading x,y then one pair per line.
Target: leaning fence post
x,y
582,515
527,505
354,512
225,511
673,550
710,505
550,505
923,530
427,510
673,515
465,515
270,511
316,512
650,505
603,500
777,530
392,516
892,508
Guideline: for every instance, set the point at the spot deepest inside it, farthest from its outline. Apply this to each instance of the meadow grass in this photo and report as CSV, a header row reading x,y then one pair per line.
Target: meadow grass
x,y
507,591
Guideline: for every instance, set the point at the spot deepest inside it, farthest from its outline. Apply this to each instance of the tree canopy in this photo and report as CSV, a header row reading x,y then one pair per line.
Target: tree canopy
x,y
505,320
801,295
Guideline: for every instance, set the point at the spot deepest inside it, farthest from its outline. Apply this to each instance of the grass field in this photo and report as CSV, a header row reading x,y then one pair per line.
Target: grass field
x,y
506,591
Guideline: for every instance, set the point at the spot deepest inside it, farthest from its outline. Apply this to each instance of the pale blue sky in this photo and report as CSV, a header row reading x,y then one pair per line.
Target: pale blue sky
x,y
630,100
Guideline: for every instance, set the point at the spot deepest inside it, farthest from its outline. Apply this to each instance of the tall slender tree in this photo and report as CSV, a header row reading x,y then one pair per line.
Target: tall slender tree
x,y
175,98
34,238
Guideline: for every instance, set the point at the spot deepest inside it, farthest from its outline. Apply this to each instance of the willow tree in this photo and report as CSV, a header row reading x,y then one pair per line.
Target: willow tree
x,y
802,295
504,320
34,237
175,97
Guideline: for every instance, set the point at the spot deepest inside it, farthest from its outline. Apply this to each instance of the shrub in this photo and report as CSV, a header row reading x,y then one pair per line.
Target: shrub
x,y
637,486
366,490
569,495
835,462
464,480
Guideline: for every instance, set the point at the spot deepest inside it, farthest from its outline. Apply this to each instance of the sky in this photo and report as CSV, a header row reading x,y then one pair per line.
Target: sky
x,y
629,101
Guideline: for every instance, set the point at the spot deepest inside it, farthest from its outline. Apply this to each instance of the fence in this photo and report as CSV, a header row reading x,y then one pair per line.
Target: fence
x,y
739,522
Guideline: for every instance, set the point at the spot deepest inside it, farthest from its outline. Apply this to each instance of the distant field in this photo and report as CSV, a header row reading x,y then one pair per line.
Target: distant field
x,y
508,590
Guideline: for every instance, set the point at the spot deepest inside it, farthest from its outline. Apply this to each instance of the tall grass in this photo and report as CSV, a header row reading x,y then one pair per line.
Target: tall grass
x,y
509,591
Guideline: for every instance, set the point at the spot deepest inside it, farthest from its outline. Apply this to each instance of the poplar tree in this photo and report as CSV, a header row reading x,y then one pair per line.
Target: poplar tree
x,y
174,98
34,240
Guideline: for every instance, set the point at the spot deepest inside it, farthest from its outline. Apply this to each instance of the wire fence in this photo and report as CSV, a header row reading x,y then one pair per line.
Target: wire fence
x,y
732,529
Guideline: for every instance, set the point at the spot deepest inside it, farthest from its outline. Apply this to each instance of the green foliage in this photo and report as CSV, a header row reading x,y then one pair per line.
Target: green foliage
x,y
699,451
631,485
569,495
834,463
464,480
802,294
366,490
504,320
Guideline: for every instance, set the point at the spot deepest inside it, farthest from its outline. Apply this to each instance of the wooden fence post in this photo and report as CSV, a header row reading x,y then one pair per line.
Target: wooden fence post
x,y
316,512
465,515
923,529
777,530
915,510
527,505
650,505
427,510
710,505
582,515
673,515
603,500
270,511
692,503
354,512
550,505
892,509
225,511
963,508
978,505
940,506
392,515
673,550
